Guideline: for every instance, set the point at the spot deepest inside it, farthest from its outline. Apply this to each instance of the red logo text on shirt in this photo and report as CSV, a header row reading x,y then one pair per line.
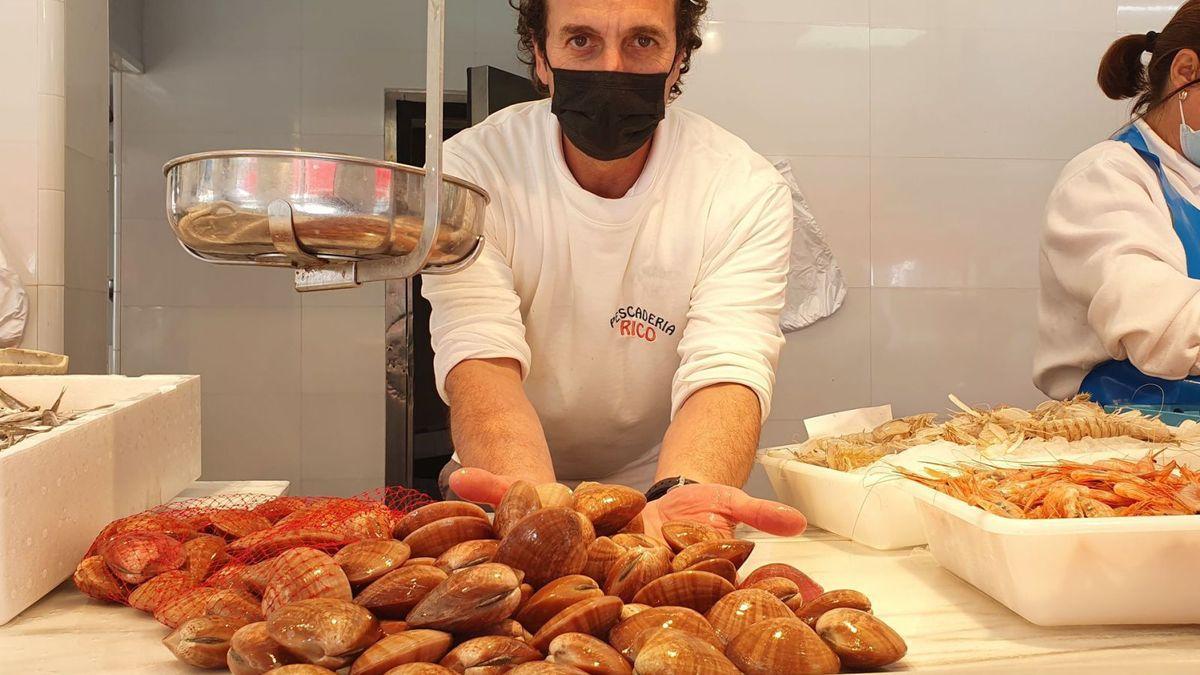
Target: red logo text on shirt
x,y
637,322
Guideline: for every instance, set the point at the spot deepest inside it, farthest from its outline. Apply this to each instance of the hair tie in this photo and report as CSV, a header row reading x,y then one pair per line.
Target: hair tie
x,y
1151,40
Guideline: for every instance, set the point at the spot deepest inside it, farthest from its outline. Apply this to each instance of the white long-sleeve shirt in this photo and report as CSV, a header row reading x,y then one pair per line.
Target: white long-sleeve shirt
x,y
617,309
1113,271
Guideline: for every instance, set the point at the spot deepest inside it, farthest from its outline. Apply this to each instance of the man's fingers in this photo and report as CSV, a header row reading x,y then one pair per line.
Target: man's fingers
x,y
479,485
766,516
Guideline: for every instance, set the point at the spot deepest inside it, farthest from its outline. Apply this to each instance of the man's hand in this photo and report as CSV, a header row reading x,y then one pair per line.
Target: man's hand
x,y
723,508
480,485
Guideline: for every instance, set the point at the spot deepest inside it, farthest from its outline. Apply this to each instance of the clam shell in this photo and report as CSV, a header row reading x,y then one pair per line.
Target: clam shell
x,y
135,557
93,578
780,587
466,554
476,596
718,566
608,507
811,611
171,526
372,521
632,608
301,574
392,626
601,554
546,545
680,534
203,554
236,523
303,669
588,654
733,550
396,650
634,569
366,561
784,645
238,606
433,539
860,639
190,605
202,642
395,594
266,544
695,590
491,651
554,495
631,539
674,652
809,589
424,560
420,669
623,637
324,631
169,585
520,500
594,616
278,508
635,526
506,628
526,594
554,597
546,668
424,515
741,609
252,651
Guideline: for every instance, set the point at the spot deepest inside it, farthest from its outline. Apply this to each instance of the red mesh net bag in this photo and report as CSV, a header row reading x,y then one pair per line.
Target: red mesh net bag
x,y
237,556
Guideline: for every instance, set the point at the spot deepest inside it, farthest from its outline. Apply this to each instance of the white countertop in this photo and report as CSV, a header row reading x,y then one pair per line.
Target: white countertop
x,y
949,626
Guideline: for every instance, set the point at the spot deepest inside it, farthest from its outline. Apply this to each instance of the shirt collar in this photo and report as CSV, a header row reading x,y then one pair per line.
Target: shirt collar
x,y
1176,163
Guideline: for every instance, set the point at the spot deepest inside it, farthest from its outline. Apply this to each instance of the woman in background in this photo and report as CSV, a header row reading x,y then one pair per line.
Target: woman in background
x,y
1119,311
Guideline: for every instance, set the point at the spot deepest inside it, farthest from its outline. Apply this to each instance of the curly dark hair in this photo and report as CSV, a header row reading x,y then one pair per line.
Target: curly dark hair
x,y
531,29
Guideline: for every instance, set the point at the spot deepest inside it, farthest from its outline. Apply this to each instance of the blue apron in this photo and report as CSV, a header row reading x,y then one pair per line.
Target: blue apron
x,y
1120,383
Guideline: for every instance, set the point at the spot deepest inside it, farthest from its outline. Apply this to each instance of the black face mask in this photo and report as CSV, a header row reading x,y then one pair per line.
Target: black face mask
x,y
608,115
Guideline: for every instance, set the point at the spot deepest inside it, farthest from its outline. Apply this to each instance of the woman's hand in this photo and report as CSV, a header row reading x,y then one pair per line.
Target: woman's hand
x,y
720,506
723,508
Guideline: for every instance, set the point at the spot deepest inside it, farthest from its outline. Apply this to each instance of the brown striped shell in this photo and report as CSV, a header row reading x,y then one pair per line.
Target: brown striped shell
x,y
695,590
202,642
202,555
154,593
418,645
424,515
670,652
236,523
624,635
466,554
679,534
520,500
554,597
635,568
587,653
809,589
601,554
367,561
433,539
783,645
253,651
718,566
594,616
546,545
733,550
476,596
554,495
741,609
811,611
303,573
324,631
135,557
395,594
238,606
608,507
190,605
860,640
501,652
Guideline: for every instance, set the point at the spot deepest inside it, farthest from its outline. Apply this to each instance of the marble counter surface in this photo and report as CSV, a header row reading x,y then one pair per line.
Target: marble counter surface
x,y
949,626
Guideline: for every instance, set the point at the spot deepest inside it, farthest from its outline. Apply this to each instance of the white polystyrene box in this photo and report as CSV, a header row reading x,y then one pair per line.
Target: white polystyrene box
x,y
868,508
1070,571
59,488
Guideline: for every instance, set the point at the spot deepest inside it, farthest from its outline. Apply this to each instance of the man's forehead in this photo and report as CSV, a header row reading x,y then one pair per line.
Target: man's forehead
x,y
610,14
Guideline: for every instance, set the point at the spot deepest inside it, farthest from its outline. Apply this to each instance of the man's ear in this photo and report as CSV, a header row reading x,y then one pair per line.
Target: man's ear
x,y
542,67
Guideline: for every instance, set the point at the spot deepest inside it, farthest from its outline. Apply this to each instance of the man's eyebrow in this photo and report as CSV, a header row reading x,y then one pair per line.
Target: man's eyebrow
x,y
649,30
577,28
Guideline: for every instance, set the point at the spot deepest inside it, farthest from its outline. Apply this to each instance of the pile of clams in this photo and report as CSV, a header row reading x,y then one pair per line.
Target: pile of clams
x,y
559,582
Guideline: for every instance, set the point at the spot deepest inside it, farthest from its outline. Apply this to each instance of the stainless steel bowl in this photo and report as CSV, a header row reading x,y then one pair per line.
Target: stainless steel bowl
x,y
342,208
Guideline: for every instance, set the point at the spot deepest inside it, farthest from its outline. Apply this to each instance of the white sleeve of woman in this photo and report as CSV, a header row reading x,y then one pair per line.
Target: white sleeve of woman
x,y
1110,242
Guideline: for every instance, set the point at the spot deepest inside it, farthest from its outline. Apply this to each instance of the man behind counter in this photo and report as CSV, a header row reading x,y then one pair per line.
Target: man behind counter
x,y
621,324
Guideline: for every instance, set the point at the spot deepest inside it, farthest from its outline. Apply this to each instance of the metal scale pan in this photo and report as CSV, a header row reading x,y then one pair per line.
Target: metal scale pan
x,y
338,220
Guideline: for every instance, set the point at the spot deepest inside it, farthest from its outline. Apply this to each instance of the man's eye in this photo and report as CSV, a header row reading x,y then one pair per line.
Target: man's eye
x,y
579,41
645,42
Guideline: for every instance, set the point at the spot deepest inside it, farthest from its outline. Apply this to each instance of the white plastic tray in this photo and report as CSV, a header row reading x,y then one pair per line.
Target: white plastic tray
x,y
1070,572
871,509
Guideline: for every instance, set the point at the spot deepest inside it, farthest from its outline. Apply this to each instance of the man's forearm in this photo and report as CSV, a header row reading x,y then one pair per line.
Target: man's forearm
x,y
713,437
492,422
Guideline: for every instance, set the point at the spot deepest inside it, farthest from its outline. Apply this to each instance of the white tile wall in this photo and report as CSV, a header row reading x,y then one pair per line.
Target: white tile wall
x,y
926,135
